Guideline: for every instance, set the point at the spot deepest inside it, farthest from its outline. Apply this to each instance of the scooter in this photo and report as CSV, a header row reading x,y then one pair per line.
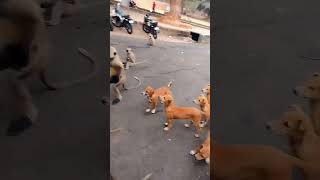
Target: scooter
x,y
150,26
126,22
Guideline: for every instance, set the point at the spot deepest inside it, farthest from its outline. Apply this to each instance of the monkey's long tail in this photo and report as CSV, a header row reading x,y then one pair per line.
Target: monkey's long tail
x,y
139,84
61,85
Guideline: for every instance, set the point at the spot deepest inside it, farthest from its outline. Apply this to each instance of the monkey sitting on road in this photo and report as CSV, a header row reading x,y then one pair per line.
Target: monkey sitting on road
x,y
151,40
23,48
117,76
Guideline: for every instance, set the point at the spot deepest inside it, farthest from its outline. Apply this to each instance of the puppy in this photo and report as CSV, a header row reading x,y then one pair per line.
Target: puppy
x,y
297,126
181,113
310,90
153,95
252,162
151,40
203,151
202,101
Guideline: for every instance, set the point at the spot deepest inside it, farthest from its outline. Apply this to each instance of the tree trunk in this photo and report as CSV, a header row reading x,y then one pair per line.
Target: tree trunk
x,y
175,10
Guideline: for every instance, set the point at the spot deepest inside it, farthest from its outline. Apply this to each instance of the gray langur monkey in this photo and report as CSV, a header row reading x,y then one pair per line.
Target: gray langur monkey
x,y
24,48
117,77
54,10
151,40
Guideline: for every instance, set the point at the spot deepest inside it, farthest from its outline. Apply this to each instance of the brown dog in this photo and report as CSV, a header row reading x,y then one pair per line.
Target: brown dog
x,y
206,90
304,142
203,151
202,101
252,162
183,113
311,90
153,95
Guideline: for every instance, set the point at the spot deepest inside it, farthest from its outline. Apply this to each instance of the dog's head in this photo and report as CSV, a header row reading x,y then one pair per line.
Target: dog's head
x,y
148,91
201,100
113,53
166,99
291,122
203,151
310,89
206,89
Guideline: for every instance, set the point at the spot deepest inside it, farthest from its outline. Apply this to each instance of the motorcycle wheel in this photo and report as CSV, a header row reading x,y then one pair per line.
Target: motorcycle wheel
x,y
128,27
145,28
116,21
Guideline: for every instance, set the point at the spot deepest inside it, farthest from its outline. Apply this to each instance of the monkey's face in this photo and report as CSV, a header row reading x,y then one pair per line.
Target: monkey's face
x,y
113,53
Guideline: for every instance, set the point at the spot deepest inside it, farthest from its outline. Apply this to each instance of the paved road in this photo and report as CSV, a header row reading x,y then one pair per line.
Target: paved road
x,y
256,64
69,140
142,146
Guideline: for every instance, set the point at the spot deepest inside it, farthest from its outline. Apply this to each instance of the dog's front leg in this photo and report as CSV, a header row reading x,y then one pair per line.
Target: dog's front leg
x,y
168,124
154,102
28,113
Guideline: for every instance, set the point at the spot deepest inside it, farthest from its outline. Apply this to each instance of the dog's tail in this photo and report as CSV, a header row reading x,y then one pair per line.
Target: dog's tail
x,y
170,84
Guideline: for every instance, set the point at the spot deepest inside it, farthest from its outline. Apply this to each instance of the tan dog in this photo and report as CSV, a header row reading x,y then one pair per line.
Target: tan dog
x,y
202,101
252,162
304,142
181,113
203,151
206,90
311,90
153,95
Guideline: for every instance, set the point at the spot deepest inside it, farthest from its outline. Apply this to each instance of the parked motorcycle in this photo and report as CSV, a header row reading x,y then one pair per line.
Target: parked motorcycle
x,y
150,26
126,22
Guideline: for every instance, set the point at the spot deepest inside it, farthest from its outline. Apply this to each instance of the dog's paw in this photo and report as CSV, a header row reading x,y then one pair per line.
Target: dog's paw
x,y
153,111
196,135
187,125
166,129
166,124
208,160
147,110
192,152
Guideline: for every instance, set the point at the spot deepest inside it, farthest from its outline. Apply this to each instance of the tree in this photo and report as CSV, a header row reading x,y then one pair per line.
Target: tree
x,y
175,10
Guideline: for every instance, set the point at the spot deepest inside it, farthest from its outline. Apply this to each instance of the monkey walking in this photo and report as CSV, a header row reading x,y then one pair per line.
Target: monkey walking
x,y
131,59
23,48
151,40
117,77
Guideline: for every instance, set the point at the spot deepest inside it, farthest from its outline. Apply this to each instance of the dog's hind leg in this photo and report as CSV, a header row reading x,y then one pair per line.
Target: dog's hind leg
x,y
28,113
198,127
117,94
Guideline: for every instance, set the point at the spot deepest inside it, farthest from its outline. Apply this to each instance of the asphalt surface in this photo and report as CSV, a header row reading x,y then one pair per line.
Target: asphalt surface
x,y
257,63
142,146
69,140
